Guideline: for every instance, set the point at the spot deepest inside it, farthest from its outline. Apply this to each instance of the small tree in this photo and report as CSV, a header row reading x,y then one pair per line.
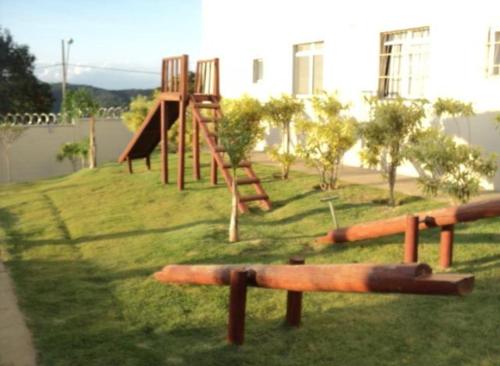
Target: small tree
x,y
9,133
74,151
393,124
238,135
450,168
327,139
138,110
454,108
80,103
281,112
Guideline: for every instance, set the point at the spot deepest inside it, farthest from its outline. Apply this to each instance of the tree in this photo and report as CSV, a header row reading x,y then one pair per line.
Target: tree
x,y
74,151
238,135
448,167
20,90
454,108
9,133
280,112
80,103
327,138
392,125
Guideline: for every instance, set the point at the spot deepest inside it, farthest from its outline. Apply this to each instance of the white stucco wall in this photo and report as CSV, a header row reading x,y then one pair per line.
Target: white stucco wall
x,y
239,31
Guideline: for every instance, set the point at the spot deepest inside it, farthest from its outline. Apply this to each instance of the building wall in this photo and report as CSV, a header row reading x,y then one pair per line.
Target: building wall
x,y
33,155
240,31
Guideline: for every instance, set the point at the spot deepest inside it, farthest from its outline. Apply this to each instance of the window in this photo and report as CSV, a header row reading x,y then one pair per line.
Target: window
x,y
494,52
258,70
308,69
404,63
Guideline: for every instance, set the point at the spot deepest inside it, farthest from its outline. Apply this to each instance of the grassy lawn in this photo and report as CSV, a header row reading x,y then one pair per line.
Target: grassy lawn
x,y
82,249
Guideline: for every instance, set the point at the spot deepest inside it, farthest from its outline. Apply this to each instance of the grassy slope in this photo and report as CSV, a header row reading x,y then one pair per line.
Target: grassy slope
x,y
82,248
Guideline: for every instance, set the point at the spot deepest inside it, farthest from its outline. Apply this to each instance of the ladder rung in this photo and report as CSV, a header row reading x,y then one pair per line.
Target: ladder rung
x,y
206,105
207,120
212,136
220,149
255,197
243,164
241,181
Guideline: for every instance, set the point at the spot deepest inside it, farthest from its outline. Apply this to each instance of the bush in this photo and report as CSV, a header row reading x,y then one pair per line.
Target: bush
x,y
327,138
449,168
393,124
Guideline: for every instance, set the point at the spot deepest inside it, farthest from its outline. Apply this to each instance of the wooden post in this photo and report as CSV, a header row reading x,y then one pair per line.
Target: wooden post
x,y
411,239
213,166
446,246
148,162
294,300
196,150
237,305
164,144
129,164
182,148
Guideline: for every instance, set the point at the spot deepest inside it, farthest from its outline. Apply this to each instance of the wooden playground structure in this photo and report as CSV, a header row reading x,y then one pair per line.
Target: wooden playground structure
x,y
296,277
169,108
444,218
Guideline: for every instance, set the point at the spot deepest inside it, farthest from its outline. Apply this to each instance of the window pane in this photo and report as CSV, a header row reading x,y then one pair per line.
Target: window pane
x,y
496,55
303,47
301,77
318,74
258,70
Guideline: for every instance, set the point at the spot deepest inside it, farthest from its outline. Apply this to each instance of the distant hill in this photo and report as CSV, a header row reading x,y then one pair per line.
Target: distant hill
x,y
106,98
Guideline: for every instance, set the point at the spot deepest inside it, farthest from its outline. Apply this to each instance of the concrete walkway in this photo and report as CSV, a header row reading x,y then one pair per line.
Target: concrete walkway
x,y
16,345
371,177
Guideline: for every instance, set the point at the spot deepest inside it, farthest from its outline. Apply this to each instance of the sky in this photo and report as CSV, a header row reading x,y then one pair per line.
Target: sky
x,y
124,34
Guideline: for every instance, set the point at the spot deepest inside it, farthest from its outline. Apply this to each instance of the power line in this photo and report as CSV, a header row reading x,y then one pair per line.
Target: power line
x,y
101,68
117,69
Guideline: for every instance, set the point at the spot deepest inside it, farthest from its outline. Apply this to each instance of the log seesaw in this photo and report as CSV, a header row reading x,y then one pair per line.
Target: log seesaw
x,y
296,278
444,218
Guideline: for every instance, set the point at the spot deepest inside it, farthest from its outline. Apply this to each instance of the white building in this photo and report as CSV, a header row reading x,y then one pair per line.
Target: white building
x,y
425,49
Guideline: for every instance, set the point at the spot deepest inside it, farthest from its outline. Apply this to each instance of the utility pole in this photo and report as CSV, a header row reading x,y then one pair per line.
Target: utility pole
x,y
65,60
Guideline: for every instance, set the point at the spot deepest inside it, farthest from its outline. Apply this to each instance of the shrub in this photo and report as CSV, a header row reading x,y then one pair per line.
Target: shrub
x,y
393,124
327,138
448,167
281,112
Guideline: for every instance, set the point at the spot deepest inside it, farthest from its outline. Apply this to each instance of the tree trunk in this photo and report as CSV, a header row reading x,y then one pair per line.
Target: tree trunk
x,y
7,164
392,183
233,225
92,144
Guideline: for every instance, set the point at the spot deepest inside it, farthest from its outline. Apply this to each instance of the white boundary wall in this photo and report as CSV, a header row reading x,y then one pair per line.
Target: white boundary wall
x,y
33,155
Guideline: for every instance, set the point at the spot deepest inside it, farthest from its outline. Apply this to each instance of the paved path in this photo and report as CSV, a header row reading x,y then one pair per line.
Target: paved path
x,y
371,177
16,345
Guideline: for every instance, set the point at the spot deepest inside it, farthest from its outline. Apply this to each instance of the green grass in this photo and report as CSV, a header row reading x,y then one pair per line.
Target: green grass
x,y
82,249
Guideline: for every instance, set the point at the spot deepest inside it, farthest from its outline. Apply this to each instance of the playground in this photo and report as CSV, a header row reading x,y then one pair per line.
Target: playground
x,y
104,261
83,249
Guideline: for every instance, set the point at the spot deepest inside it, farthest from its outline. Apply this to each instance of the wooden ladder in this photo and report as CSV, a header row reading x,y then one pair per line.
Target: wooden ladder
x,y
210,103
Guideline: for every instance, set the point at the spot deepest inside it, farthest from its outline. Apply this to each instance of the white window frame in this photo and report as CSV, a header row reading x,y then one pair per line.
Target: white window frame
x,y
316,49
405,66
490,50
257,71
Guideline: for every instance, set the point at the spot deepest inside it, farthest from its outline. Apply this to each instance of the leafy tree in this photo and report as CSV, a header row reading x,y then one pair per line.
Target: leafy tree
x,y
74,151
393,124
327,139
281,112
138,110
9,133
449,168
238,135
454,108
80,103
20,90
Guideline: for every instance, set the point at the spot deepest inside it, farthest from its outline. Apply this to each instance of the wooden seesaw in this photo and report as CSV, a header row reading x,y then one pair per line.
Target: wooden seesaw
x,y
444,218
297,278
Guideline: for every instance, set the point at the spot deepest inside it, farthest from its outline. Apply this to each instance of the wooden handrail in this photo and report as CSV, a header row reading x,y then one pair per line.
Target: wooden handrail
x,y
174,75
